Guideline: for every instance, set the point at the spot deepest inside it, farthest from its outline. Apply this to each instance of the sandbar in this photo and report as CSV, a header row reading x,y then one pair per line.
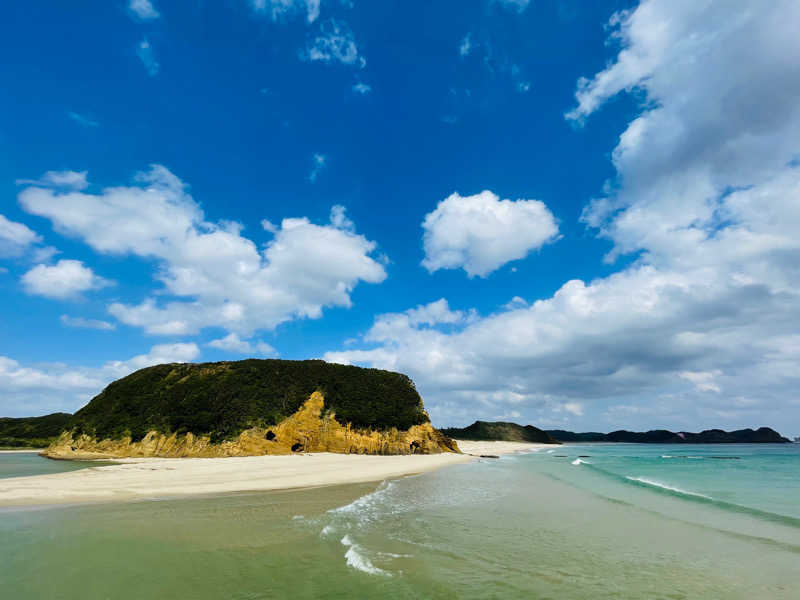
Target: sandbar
x,y
156,478
500,448
141,478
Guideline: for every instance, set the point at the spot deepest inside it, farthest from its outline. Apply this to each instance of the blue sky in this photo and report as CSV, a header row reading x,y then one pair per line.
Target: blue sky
x,y
532,208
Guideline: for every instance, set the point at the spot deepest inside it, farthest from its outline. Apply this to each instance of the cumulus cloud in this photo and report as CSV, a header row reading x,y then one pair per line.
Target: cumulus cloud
x,y
481,233
334,43
143,10
701,328
284,9
159,354
234,344
65,179
83,323
362,88
15,238
41,389
211,273
65,279
145,52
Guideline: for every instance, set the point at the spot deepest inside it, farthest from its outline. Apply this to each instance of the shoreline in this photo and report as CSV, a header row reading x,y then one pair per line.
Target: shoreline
x,y
143,478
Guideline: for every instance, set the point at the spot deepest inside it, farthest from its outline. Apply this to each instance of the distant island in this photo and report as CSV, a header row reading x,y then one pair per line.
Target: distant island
x,y
512,432
500,431
249,407
762,435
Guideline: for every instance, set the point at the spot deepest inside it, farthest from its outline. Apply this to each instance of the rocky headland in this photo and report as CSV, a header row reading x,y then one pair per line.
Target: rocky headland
x,y
250,408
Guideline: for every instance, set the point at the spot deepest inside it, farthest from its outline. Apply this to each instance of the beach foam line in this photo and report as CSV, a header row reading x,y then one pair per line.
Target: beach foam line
x,y
358,561
664,486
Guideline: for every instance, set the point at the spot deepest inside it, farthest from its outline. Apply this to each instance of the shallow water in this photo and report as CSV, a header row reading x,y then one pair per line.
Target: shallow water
x,y
528,526
21,464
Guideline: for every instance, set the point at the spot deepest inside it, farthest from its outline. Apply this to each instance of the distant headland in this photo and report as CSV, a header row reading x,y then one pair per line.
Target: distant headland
x,y
243,408
512,432
500,431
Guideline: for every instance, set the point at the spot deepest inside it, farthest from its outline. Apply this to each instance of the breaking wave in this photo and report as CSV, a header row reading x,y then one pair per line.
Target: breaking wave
x,y
357,560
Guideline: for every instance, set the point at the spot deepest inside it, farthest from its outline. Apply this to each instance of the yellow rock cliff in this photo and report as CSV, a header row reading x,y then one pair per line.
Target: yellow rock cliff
x,y
305,431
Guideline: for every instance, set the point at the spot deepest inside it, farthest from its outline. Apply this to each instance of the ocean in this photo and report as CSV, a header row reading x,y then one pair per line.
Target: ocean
x,y
569,522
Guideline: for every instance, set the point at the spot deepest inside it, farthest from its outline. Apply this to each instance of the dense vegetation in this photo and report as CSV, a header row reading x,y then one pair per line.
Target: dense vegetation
x,y
662,436
222,399
499,431
32,432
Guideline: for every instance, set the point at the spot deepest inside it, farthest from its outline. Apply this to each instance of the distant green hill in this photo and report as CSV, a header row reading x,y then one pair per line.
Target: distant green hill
x,y
763,435
32,432
223,399
499,431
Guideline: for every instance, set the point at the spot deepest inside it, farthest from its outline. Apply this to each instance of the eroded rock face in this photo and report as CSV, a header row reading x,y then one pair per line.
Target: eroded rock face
x,y
305,431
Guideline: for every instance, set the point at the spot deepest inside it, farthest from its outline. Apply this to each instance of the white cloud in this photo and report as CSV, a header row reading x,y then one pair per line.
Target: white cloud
x,y
466,45
212,275
83,323
145,52
362,88
481,233
82,119
75,180
143,9
236,345
159,354
703,380
15,238
283,9
702,328
30,390
318,162
65,279
334,43
312,10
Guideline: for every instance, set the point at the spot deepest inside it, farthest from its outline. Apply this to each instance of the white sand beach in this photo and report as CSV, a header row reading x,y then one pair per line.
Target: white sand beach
x,y
133,478
499,448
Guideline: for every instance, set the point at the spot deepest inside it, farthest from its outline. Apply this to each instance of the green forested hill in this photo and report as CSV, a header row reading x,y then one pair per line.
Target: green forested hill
x,y
32,432
499,431
224,398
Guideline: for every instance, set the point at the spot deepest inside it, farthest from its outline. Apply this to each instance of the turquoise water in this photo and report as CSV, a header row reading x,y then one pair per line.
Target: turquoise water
x,y
751,476
21,464
628,521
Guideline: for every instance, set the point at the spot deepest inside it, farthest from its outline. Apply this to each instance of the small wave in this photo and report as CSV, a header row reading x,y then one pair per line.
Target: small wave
x,y
358,561
578,461
364,503
665,486
550,451
684,457
327,530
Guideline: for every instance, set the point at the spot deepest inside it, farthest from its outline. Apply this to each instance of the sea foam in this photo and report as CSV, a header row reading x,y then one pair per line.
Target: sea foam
x,y
357,560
